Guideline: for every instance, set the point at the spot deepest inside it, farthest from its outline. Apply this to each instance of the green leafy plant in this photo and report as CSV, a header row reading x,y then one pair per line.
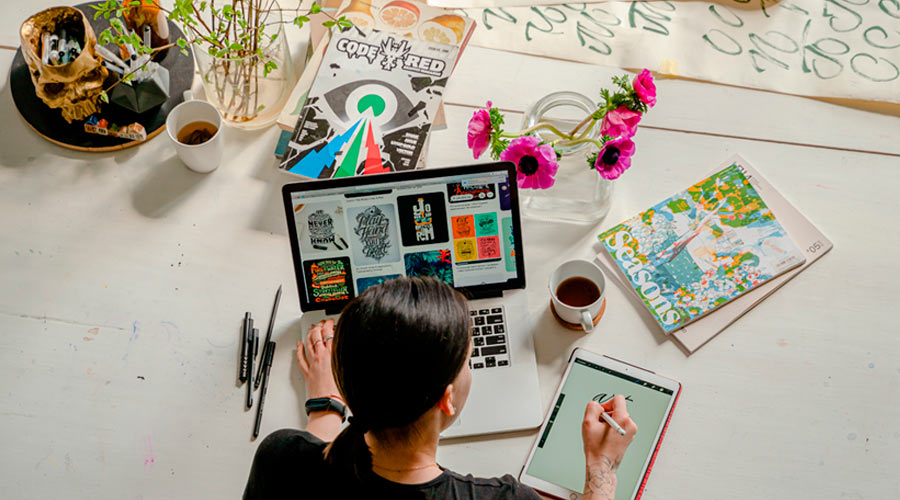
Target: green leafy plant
x,y
239,34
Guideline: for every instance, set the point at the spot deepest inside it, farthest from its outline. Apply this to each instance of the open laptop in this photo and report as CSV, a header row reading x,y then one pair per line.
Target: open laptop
x,y
458,224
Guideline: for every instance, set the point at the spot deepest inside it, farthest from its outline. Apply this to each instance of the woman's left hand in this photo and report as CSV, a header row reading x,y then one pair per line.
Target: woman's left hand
x,y
314,358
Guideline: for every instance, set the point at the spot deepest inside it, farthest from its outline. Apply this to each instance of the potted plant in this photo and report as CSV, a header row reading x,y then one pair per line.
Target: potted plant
x,y
239,46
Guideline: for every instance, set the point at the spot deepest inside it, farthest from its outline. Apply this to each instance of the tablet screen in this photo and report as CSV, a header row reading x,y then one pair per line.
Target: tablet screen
x,y
559,457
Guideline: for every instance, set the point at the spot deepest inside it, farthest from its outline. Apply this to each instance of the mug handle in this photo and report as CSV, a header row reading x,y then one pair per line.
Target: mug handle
x,y
188,95
587,322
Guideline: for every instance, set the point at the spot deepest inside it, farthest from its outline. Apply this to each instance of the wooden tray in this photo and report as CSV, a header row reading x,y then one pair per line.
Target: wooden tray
x,y
49,123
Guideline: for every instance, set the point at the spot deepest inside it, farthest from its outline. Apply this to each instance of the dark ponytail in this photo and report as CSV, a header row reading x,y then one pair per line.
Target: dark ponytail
x,y
396,349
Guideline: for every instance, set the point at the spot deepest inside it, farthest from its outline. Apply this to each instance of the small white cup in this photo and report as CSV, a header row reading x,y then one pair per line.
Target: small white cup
x,y
583,315
204,157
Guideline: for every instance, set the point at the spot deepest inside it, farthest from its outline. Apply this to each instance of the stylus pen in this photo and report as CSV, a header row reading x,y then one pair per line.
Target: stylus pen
x,y
609,420
267,364
252,347
268,336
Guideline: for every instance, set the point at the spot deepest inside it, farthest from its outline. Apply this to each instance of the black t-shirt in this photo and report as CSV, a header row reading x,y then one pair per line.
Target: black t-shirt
x,y
289,464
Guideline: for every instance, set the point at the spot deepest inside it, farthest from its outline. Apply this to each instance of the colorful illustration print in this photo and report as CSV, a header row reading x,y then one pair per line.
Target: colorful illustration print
x,y
434,263
463,226
328,280
701,248
509,244
375,235
465,249
363,283
423,219
489,248
486,224
461,192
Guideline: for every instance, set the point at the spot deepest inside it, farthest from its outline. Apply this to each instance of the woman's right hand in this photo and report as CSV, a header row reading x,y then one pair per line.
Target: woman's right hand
x,y
604,448
600,439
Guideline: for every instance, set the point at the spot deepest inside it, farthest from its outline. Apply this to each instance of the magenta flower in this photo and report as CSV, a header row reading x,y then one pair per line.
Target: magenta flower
x,y
620,122
614,158
645,88
479,135
535,163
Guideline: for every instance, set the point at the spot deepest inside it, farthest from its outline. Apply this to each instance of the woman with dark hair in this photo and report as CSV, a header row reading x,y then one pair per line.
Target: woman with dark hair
x,y
398,358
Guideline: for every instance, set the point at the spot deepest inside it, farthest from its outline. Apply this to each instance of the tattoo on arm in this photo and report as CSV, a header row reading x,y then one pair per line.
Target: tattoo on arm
x,y
600,480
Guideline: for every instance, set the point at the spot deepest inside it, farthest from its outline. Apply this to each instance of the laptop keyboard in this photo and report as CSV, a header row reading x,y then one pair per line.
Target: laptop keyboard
x,y
490,348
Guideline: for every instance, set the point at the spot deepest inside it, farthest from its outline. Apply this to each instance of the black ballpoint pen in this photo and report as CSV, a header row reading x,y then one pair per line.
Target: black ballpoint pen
x,y
245,331
252,348
268,337
267,367
249,341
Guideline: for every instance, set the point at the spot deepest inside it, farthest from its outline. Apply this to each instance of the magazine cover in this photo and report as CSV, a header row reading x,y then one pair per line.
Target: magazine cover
x,y
371,105
409,18
701,248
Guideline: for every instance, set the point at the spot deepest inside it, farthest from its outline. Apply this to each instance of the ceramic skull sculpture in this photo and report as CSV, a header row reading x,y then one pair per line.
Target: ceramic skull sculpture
x,y
73,87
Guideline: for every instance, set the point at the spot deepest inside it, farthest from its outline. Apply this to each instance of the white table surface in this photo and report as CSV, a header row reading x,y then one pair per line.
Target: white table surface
x,y
124,277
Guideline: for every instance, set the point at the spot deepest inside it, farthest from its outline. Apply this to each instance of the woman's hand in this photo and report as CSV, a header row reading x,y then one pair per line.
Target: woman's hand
x,y
604,448
314,358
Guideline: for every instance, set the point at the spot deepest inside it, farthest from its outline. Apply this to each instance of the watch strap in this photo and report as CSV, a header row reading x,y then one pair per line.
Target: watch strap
x,y
326,404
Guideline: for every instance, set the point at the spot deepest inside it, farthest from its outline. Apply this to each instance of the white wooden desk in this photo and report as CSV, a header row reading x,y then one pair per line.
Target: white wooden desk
x,y
123,278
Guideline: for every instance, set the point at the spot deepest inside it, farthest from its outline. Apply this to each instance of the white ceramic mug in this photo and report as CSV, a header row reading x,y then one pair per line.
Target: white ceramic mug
x,y
584,315
203,157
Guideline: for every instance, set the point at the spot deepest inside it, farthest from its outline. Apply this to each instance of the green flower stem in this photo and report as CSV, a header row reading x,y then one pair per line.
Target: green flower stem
x,y
535,127
575,142
590,118
586,130
583,123
567,139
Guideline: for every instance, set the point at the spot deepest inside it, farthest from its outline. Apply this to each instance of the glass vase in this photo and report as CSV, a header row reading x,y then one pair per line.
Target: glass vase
x,y
239,87
579,193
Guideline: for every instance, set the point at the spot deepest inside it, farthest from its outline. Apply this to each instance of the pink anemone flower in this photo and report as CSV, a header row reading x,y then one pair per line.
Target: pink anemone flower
x,y
536,163
479,135
620,122
614,158
645,88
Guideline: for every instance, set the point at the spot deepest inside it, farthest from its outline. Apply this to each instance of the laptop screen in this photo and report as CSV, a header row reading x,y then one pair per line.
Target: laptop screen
x,y
460,225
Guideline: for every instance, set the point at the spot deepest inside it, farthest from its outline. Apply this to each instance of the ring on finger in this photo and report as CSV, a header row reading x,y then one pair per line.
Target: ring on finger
x,y
326,339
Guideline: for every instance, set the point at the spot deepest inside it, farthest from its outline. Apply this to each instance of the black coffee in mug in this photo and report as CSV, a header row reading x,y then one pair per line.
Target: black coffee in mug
x,y
197,133
577,292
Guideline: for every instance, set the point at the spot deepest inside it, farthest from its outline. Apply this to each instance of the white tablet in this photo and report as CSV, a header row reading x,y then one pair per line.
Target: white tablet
x,y
556,463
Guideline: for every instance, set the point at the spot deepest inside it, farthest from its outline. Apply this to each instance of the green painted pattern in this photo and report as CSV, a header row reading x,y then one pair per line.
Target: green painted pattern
x,y
348,165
